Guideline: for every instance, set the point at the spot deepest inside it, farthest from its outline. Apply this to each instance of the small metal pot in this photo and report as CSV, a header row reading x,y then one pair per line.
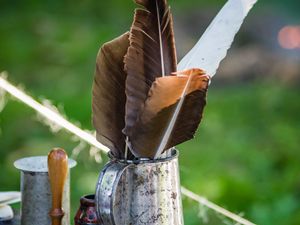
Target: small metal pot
x,y
36,193
86,214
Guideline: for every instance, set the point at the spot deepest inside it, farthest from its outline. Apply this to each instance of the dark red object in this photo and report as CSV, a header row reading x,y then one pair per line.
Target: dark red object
x,y
86,214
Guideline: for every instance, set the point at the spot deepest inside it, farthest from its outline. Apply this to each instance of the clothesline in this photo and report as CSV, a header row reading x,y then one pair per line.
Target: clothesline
x,y
58,119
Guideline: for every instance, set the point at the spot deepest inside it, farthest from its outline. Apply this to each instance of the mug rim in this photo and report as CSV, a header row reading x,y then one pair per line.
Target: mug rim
x,y
175,154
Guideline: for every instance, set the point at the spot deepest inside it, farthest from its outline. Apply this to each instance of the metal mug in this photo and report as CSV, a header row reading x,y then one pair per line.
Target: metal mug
x,y
140,192
36,193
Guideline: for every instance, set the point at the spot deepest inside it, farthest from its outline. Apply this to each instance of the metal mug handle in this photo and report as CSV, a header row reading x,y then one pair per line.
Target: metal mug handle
x,y
106,188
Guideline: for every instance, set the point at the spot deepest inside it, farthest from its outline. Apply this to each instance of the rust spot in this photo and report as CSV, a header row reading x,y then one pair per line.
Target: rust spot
x,y
174,195
140,181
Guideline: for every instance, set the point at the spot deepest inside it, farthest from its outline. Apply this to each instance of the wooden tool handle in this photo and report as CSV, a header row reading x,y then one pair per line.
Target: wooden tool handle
x,y
58,170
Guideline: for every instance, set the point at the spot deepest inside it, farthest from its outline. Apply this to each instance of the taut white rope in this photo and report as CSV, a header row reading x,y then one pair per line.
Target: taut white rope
x,y
49,114
61,121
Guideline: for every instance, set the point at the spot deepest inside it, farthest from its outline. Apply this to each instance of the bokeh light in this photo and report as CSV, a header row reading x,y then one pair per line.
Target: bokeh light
x,y
289,37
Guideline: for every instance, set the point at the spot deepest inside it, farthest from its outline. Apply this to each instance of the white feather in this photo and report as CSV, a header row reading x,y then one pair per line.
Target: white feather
x,y
210,50
212,47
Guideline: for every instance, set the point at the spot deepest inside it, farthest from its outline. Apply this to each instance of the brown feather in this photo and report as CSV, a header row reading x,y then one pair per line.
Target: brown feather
x,y
109,97
159,108
151,54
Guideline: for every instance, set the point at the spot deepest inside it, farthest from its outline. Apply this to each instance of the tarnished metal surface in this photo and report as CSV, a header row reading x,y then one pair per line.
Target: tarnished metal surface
x,y
146,192
36,193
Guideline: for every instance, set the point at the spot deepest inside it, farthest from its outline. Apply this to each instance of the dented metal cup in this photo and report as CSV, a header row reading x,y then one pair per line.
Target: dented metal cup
x,y
140,192
36,193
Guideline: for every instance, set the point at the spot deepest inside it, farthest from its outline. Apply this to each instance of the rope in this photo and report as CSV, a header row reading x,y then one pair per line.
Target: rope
x,y
55,117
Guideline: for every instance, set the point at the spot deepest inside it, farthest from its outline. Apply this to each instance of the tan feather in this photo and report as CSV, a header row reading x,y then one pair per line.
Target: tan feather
x,y
164,97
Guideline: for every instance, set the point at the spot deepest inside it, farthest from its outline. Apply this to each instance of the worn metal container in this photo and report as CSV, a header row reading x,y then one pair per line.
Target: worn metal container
x,y
36,193
140,192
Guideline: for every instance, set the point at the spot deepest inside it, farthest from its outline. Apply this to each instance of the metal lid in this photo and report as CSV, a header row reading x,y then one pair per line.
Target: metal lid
x,y
37,164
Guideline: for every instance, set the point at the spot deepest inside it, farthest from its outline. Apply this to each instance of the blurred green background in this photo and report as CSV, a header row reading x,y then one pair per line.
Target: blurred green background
x,y
245,156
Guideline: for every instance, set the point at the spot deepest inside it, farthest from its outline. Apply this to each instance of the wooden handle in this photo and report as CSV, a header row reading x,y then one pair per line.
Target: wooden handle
x,y
58,171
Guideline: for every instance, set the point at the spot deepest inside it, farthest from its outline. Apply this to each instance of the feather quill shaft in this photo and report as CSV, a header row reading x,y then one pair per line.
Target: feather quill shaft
x,y
170,128
212,47
160,41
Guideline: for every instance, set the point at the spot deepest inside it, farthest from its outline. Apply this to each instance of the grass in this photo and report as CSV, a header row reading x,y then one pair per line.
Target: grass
x,y
245,156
